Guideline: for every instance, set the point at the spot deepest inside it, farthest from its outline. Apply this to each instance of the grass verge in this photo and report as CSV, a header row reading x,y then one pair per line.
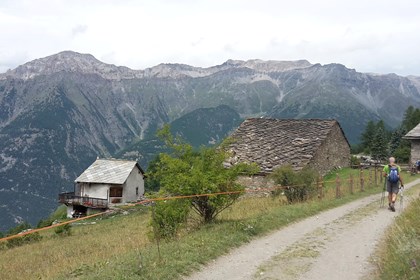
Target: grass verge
x,y
399,256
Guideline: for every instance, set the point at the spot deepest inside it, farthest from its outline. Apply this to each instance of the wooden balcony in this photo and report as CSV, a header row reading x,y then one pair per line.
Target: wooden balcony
x,y
70,198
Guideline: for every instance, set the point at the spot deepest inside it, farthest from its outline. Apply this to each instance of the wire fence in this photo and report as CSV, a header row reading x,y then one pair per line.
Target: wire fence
x,y
326,189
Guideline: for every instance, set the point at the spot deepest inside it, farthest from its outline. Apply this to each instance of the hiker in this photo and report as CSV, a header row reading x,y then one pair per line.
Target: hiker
x,y
392,172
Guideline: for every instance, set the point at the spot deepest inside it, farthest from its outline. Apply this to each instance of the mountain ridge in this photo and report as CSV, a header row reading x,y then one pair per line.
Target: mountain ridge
x,y
72,61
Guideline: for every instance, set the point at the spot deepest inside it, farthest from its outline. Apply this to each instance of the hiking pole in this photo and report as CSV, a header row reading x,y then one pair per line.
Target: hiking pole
x,y
383,196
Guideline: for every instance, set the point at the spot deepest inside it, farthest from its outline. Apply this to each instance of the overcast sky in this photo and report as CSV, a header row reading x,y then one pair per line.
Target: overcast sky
x,y
368,35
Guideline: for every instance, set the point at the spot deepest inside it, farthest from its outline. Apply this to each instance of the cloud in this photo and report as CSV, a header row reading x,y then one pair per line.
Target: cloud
x,y
79,29
370,36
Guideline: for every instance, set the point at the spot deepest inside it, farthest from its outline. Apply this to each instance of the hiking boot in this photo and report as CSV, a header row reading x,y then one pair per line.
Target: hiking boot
x,y
389,206
392,206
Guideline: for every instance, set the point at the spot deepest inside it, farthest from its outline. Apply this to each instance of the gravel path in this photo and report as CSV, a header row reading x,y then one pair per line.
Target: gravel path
x,y
336,244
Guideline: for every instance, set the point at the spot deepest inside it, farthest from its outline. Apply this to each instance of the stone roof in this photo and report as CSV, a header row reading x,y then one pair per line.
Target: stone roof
x,y
271,143
108,171
414,133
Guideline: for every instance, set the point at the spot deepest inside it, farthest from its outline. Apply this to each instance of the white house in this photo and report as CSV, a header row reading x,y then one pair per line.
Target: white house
x,y
105,183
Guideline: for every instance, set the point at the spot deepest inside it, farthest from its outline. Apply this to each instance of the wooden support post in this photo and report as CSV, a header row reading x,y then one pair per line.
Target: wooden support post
x,y
337,186
381,177
376,174
321,187
362,181
351,184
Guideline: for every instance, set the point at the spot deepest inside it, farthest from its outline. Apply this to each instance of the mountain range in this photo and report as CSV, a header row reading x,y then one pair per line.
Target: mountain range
x,y
58,113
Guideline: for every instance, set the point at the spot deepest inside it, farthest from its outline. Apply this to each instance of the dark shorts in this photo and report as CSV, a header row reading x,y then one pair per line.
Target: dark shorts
x,y
392,187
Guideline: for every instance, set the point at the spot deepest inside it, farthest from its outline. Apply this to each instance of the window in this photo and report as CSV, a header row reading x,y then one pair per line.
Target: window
x,y
137,191
115,192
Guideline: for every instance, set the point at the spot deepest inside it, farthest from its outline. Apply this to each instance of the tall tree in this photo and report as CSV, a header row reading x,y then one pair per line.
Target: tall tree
x,y
187,172
367,136
379,150
411,118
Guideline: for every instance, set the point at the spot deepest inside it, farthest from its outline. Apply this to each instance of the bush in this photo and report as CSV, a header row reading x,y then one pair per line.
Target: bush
x,y
25,239
59,214
299,185
168,217
64,230
354,162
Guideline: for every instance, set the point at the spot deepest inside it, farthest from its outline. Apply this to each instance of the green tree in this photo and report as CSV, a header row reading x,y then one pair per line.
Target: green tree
x,y
411,118
151,184
367,136
395,139
187,172
379,150
400,148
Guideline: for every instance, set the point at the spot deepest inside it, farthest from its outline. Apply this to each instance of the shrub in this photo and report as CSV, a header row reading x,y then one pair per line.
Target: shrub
x,y
25,239
299,185
59,214
64,230
354,162
168,216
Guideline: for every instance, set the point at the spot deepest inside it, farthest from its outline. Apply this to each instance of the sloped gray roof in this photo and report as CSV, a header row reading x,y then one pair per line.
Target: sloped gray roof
x,y
414,133
108,171
271,143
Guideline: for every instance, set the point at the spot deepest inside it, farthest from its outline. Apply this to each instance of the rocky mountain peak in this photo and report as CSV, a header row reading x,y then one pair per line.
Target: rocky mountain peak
x,y
268,65
70,61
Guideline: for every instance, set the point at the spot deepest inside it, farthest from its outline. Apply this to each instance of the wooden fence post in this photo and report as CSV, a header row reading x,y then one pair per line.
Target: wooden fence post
x,y
362,181
370,177
376,174
337,186
381,177
320,187
351,182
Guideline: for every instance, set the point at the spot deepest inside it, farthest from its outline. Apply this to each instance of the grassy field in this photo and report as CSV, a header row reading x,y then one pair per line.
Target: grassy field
x,y
119,248
399,255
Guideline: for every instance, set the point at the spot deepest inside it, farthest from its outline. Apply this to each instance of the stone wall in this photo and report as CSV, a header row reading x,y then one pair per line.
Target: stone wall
x,y
415,150
334,152
257,183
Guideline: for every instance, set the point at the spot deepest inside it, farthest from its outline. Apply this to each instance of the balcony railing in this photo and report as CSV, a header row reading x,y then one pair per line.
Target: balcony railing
x,y
71,199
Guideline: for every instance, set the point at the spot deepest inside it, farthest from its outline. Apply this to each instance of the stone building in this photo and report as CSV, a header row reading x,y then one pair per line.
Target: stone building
x,y
271,143
414,137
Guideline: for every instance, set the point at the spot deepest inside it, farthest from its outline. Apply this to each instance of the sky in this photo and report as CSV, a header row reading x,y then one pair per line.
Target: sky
x,y
366,35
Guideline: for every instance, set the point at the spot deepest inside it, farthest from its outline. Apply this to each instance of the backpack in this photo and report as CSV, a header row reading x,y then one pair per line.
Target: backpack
x,y
393,174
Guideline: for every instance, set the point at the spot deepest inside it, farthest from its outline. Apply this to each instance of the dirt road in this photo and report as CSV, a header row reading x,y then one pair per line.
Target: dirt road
x,y
336,244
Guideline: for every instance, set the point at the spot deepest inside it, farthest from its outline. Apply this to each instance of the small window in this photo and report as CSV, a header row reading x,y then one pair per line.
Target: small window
x,y
137,191
115,192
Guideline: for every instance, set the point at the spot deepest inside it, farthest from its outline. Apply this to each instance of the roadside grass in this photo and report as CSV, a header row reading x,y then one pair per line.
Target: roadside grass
x,y
119,248
399,254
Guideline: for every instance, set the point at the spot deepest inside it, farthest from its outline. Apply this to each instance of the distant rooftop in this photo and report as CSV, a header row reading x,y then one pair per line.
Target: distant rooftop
x,y
414,133
108,171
